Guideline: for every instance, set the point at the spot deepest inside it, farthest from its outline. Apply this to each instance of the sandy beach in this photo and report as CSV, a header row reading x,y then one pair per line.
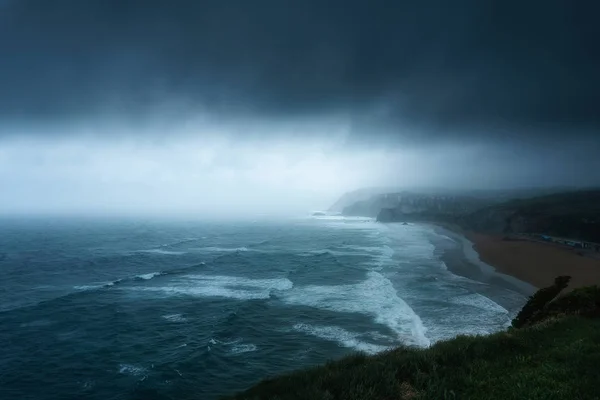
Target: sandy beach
x,y
535,263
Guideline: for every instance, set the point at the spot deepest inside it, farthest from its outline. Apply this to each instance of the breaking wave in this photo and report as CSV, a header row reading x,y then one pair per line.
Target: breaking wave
x,y
221,286
343,337
375,297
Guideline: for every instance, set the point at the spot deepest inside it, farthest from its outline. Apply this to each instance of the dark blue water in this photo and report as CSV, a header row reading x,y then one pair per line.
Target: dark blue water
x,y
133,309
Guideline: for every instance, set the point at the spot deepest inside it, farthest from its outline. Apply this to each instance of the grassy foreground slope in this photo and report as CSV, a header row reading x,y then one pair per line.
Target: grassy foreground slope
x,y
557,357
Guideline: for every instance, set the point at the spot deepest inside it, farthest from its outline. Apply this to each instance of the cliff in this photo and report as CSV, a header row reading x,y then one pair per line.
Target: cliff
x,y
355,196
573,215
368,202
554,355
400,206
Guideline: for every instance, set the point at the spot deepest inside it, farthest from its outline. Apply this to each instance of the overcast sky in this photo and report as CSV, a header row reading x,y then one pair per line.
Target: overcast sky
x,y
275,106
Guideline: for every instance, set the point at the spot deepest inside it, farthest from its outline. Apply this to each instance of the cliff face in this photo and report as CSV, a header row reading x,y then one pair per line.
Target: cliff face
x,y
357,196
573,215
396,207
410,206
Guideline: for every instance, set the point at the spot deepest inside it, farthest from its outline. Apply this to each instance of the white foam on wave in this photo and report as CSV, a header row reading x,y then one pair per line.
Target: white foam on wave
x,y
446,237
375,296
343,337
213,249
413,241
382,255
312,253
87,287
96,286
182,241
243,348
214,341
150,275
479,301
175,318
234,346
222,286
130,369
162,252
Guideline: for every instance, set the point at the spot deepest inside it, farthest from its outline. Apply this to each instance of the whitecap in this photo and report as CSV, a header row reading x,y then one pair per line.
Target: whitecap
x,y
222,286
150,275
479,301
96,286
175,318
343,337
375,296
224,249
243,348
162,252
87,287
130,369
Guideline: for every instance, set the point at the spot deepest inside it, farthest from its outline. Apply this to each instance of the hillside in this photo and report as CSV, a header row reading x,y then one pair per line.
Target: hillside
x,y
555,355
400,204
368,202
574,215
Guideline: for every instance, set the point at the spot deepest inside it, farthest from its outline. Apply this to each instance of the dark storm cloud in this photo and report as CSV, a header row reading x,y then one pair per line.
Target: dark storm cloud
x,y
451,64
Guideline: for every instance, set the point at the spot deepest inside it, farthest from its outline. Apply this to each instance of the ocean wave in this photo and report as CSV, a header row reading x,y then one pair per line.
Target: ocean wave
x,y
162,252
221,286
380,255
324,252
234,346
130,369
96,286
243,348
213,249
175,318
149,276
479,301
182,241
343,337
214,341
140,277
375,296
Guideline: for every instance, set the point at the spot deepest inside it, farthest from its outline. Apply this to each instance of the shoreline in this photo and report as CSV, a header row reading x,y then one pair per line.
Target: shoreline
x,y
523,265
463,259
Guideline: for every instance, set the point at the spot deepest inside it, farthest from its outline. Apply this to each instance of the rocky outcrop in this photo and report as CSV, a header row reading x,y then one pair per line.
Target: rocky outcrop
x,y
356,196
573,215
411,206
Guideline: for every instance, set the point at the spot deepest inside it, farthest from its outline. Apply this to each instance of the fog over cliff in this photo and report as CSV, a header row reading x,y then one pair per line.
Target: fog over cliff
x,y
232,107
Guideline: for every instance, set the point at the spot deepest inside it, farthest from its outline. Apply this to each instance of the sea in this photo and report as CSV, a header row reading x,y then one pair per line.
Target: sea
x,y
104,308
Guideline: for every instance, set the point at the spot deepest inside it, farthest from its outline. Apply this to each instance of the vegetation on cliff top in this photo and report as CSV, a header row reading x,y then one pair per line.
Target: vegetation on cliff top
x,y
555,355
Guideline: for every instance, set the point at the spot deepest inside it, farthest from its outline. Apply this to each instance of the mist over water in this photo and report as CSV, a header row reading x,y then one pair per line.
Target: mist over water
x,y
197,172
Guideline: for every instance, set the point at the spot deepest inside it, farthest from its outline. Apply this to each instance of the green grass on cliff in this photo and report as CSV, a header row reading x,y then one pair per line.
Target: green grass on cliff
x,y
557,358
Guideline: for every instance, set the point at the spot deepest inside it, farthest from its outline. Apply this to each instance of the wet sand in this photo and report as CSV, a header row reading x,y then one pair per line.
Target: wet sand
x,y
462,259
535,263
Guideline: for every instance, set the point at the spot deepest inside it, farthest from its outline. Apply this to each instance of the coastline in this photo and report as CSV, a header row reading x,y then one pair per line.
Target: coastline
x,y
534,262
463,259
523,265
